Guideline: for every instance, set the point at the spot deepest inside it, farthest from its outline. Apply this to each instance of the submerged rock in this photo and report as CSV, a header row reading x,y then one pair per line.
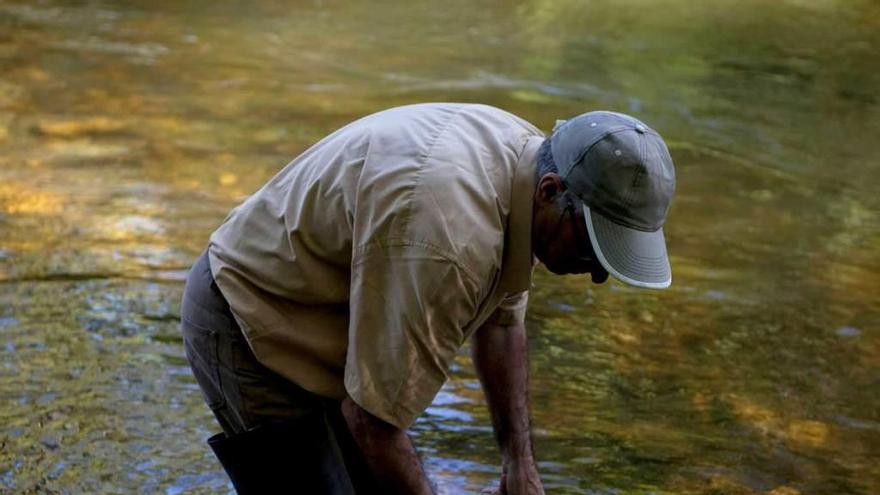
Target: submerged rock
x,y
78,127
5,123
10,94
848,332
784,490
50,442
84,149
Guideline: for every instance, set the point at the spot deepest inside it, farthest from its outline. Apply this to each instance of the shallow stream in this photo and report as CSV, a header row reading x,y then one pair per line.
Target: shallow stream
x,y
129,128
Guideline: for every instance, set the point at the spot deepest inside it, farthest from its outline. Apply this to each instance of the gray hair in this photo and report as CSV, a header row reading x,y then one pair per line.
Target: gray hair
x,y
546,165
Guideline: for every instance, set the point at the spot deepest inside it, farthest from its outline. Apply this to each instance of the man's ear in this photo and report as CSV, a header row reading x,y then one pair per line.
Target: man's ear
x,y
549,186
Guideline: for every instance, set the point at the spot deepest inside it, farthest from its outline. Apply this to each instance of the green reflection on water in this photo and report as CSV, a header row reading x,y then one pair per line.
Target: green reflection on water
x,y
128,130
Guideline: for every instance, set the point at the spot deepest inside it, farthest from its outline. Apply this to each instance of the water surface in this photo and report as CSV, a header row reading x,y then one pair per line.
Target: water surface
x,y
128,130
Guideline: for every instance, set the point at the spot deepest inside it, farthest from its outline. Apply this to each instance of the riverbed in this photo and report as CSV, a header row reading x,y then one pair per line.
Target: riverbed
x,y
129,129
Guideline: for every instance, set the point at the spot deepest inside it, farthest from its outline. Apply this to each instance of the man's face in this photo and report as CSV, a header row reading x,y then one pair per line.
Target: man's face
x,y
559,235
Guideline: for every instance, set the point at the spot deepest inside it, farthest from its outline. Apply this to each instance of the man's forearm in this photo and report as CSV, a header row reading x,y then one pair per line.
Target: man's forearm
x,y
500,357
501,361
388,451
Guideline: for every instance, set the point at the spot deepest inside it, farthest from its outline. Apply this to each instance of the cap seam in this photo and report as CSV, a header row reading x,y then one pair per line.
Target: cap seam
x,y
612,270
581,156
646,264
640,172
613,218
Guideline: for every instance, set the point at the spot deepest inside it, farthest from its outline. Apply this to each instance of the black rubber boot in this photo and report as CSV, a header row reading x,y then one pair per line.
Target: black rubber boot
x,y
284,459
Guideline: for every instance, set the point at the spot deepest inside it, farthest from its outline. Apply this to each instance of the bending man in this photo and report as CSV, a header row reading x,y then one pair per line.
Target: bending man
x,y
325,313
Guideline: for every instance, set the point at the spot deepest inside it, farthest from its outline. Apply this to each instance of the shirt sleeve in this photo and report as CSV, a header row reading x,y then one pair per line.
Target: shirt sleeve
x,y
408,307
511,310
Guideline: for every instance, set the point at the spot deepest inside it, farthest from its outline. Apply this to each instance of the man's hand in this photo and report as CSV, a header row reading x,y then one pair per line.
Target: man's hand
x,y
500,358
390,455
520,477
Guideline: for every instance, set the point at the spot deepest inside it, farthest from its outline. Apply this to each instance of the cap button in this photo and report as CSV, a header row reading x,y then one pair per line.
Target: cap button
x,y
640,128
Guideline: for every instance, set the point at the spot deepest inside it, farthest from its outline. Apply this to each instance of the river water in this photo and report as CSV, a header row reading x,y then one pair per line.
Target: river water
x,y
128,129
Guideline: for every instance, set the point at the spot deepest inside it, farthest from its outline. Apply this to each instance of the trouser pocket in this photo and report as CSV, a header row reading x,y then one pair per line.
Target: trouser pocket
x,y
202,353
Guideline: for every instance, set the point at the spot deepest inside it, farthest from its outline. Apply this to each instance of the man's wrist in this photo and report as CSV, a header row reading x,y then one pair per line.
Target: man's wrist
x,y
518,448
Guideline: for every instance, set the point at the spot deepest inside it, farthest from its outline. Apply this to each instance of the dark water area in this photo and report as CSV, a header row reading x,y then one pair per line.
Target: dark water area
x,y
128,130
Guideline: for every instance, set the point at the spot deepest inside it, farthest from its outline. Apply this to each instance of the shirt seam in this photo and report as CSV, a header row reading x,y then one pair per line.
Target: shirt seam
x,y
420,165
394,403
393,242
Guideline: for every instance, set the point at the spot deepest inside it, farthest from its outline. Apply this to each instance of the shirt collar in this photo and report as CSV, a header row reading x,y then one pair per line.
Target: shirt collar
x,y
517,261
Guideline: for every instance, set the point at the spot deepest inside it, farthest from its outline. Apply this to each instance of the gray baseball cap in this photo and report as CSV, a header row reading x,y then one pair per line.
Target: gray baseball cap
x,y
621,170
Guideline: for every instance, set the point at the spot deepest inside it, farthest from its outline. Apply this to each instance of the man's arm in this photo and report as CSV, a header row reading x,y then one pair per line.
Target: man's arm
x,y
387,449
501,360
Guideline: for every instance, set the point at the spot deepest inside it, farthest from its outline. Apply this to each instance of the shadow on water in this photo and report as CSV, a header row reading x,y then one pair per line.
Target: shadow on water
x,y
128,130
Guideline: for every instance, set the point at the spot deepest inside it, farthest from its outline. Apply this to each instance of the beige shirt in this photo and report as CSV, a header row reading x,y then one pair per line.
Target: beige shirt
x,y
364,265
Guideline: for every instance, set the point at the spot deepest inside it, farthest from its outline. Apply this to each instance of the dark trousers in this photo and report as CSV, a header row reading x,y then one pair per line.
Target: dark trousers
x,y
247,397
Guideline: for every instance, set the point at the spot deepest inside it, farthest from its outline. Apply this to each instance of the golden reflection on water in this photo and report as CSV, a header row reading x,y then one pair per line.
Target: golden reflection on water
x,y
128,130
18,199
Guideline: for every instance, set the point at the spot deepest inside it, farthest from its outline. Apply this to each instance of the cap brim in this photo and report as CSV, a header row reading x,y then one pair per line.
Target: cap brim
x,y
631,256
